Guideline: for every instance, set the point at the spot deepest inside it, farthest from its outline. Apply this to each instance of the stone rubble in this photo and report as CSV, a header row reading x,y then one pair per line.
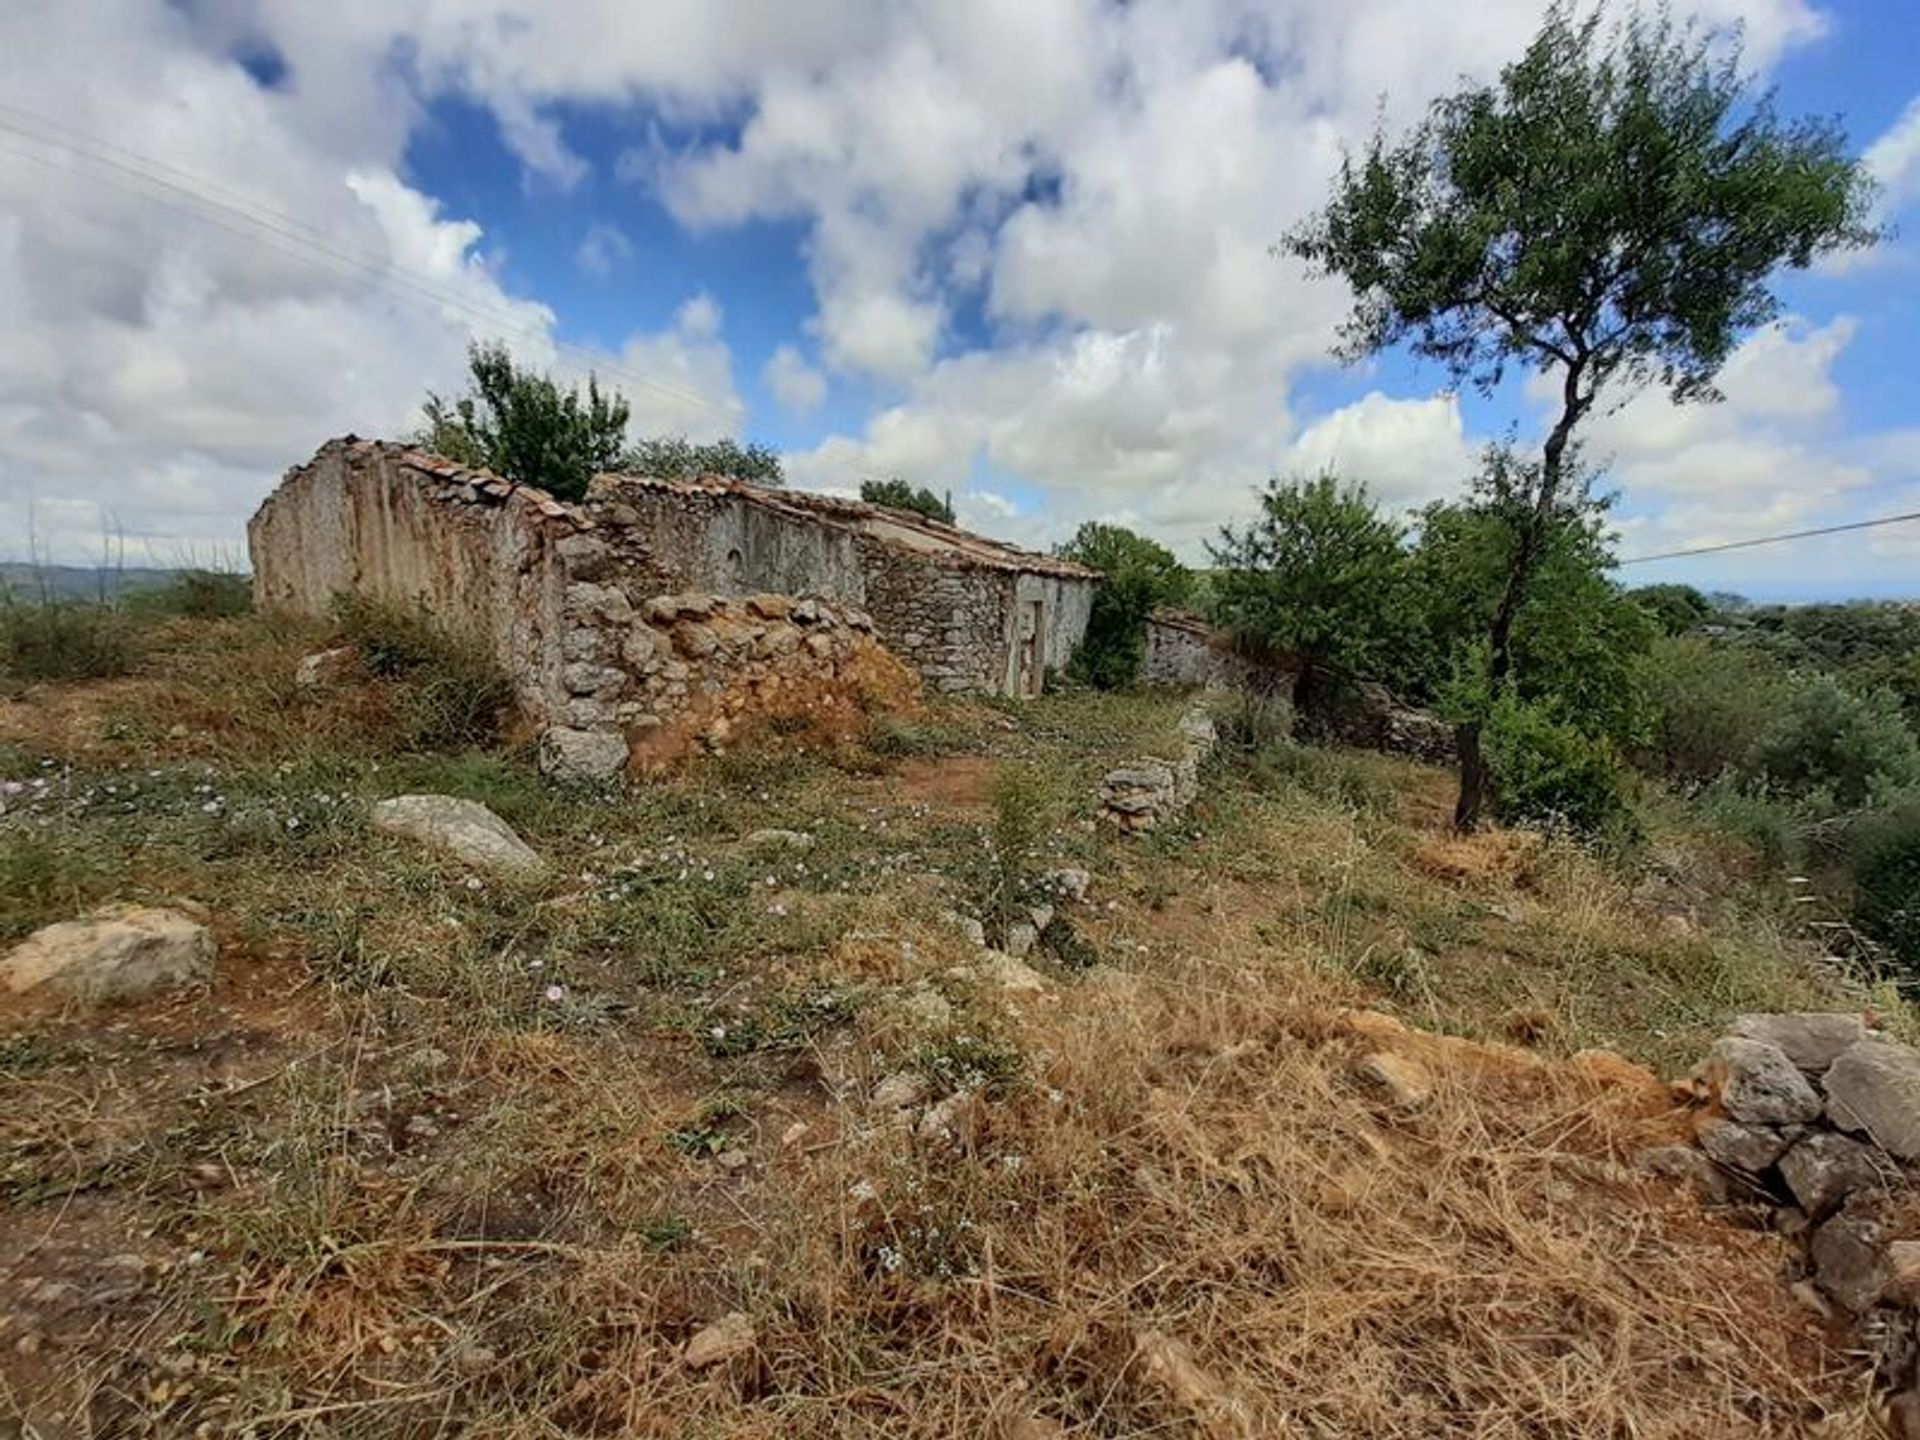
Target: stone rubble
x,y
1818,1117
1147,793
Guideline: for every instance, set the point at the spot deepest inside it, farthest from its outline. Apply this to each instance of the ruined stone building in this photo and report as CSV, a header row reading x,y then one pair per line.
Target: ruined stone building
x,y
654,608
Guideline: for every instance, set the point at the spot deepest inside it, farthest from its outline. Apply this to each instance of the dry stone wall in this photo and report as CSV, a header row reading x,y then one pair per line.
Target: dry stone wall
x,y
1185,653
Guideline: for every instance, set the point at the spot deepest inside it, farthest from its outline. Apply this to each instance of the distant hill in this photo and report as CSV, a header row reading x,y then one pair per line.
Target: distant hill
x,y
28,581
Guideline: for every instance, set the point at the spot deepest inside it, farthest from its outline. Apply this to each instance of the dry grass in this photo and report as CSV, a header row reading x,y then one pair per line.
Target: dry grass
x,y
377,1183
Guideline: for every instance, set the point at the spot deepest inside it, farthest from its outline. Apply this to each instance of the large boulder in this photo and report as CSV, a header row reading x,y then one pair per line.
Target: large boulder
x,y
567,754
1874,1088
1757,1083
1812,1039
122,952
464,829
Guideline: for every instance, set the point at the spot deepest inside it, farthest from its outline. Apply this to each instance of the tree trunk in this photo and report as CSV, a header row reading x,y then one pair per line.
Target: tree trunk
x,y
1476,783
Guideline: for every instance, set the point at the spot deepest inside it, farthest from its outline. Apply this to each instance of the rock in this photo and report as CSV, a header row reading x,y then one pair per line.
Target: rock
x,y
1042,917
944,1123
1756,1082
733,1159
1070,883
1010,974
972,929
784,839
696,642
464,829
583,677
769,607
1810,1039
120,952
325,667
1874,1087
582,755
1405,1082
727,1337
1687,1165
899,1090
1849,1262
1903,1273
639,647
924,1008
1751,1148
1021,938
1824,1169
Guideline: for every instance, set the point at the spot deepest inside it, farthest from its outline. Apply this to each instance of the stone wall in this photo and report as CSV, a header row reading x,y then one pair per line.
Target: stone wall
x,y
1184,652
605,653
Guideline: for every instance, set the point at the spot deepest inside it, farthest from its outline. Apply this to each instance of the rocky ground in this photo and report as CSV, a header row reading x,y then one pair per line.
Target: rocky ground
x,y
883,1085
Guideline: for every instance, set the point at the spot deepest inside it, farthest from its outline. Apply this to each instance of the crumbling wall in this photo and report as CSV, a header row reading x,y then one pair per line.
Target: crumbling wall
x,y
1185,653
476,552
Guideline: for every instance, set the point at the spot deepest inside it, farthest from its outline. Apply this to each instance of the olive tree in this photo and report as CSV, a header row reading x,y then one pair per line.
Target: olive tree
x,y
1608,212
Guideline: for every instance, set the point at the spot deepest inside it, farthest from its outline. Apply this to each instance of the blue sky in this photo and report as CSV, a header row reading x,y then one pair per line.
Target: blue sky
x,y
1017,251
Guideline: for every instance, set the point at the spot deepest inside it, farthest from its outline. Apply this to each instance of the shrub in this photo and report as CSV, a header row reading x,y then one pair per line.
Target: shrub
x,y
1829,740
1884,858
1023,804
1254,722
1547,771
1710,703
454,693
56,639
1137,576
195,595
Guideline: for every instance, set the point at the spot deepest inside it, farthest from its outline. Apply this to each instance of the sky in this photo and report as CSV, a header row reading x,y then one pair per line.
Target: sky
x,y
1019,250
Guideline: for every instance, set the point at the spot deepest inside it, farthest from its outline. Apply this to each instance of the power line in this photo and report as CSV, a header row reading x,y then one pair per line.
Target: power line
x,y
1772,539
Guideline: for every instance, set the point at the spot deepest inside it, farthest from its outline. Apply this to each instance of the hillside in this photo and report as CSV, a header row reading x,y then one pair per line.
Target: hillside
x,y
1303,1116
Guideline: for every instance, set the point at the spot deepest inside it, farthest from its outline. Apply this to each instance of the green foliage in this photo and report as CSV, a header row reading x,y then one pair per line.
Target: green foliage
x,y
1576,639
1612,205
1024,803
56,639
1711,704
1870,645
1677,609
524,426
1884,857
194,595
1549,771
1847,747
897,494
1320,575
1252,723
455,695
677,458
1138,576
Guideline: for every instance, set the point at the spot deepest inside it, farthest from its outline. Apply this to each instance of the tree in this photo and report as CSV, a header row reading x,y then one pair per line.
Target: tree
x,y
1608,212
1138,576
1676,608
896,494
524,426
677,458
1577,637
1320,575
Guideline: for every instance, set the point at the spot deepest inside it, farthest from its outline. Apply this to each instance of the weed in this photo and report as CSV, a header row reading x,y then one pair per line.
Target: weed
x,y
55,639
895,738
983,1064
194,595
455,693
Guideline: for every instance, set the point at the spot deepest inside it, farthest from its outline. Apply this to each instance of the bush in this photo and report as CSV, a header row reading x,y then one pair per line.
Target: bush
x,y
454,695
1829,740
1710,703
64,640
1546,771
1137,576
195,595
1884,858
1255,722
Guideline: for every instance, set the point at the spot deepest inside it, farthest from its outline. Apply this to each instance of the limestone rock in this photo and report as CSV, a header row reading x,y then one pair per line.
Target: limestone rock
x,y
899,1090
1021,938
1903,1273
1824,1169
727,1337
464,829
1756,1082
772,839
1874,1087
945,1123
1405,1082
696,642
583,755
583,677
324,667
1010,974
1810,1039
1850,1262
121,952
1751,1148
769,607
1069,883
